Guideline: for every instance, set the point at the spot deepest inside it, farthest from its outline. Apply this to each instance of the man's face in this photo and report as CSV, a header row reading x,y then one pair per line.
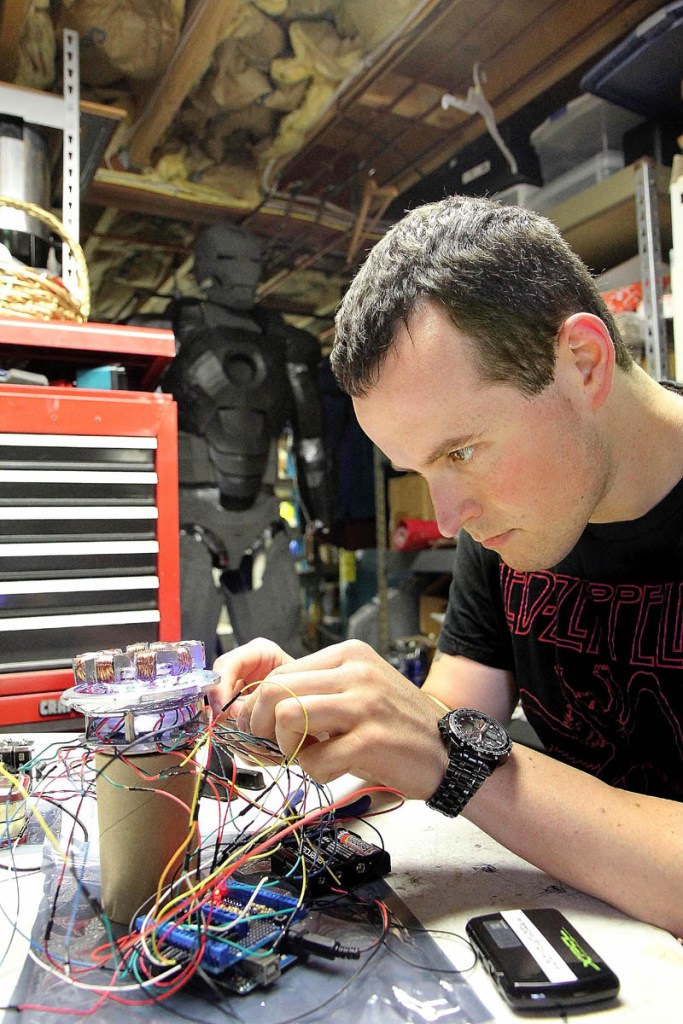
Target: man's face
x,y
522,475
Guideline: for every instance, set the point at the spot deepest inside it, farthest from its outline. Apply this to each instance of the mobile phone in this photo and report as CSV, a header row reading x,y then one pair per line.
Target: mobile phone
x,y
539,961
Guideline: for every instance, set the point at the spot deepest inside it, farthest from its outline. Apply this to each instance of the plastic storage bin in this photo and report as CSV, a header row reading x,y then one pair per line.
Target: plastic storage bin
x,y
517,195
586,127
590,172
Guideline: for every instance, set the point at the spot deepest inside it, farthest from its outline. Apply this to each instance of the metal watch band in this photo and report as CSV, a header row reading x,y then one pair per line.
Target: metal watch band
x,y
464,775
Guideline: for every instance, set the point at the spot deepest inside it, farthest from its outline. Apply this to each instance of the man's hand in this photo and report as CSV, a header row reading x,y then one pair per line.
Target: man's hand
x,y
342,709
242,667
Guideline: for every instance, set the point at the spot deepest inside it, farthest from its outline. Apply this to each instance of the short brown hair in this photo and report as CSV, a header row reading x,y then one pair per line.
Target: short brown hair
x,y
504,276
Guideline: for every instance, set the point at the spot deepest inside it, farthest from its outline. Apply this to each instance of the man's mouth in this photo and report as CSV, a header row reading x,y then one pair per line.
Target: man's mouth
x,y
496,540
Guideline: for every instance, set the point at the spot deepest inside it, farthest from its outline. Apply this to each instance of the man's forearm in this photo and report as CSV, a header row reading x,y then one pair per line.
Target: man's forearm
x,y
622,847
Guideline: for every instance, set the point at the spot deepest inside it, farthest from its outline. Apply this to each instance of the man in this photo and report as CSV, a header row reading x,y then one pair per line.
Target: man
x,y
479,354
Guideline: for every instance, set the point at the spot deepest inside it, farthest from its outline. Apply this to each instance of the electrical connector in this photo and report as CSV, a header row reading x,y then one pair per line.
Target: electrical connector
x,y
262,971
303,943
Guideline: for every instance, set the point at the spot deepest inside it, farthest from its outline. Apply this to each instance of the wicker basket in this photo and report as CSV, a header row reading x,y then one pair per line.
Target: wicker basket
x,y
28,293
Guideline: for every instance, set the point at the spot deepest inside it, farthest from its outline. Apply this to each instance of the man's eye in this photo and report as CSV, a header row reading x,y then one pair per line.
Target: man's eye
x,y
461,454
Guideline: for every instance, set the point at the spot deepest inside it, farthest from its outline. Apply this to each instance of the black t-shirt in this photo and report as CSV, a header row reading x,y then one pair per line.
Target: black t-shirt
x,y
595,644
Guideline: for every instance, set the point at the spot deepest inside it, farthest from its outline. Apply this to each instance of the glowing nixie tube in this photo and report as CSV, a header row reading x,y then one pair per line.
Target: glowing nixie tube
x,y
147,695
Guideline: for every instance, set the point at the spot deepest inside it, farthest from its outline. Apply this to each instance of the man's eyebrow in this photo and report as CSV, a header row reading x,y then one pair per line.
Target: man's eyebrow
x,y
449,445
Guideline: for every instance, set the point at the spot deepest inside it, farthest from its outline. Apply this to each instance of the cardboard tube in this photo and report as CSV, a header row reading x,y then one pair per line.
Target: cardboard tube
x,y
140,828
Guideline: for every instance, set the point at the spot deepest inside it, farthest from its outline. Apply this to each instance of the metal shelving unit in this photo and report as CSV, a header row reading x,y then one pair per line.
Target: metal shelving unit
x,y
626,214
86,130
62,113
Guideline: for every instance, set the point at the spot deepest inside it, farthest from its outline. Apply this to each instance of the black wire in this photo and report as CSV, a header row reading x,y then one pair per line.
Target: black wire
x,y
364,908
17,870
369,824
73,868
439,969
335,995
65,810
300,1015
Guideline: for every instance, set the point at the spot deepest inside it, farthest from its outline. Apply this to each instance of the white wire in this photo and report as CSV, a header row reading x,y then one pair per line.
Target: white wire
x,y
104,989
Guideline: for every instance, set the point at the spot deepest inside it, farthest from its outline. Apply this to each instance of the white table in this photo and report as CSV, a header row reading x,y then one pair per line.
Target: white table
x,y
447,871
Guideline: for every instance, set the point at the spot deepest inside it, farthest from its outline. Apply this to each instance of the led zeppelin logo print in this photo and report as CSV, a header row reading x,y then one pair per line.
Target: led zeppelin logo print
x,y
611,657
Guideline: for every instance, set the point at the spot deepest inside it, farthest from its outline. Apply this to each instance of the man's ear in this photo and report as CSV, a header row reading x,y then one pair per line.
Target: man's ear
x,y
586,350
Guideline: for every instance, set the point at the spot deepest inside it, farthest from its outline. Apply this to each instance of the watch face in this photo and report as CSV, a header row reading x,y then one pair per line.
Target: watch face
x,y
480,731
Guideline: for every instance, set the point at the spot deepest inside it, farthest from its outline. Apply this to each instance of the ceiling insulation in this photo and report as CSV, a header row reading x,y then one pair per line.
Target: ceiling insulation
x,y
301,119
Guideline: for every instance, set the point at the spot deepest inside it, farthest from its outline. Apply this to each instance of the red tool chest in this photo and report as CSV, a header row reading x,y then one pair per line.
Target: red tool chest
x,y
89,541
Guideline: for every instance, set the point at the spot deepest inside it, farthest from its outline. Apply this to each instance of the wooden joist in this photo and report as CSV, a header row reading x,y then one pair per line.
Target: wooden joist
x,y
206,25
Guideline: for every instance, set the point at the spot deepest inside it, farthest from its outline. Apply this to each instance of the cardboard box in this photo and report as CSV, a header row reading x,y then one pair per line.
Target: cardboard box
x,y
433,601
409,498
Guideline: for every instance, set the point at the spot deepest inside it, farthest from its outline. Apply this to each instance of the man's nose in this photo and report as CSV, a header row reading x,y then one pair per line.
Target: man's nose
x,y
453,507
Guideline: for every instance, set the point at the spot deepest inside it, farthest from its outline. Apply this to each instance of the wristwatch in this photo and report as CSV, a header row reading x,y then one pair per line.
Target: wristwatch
x,y
477,744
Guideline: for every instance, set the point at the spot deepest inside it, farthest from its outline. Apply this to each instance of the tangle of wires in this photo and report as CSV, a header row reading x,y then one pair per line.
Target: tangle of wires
x,y
237,906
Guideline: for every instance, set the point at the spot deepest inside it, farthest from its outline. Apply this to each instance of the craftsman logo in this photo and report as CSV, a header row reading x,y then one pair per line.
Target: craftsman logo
x,y
47,708
581,955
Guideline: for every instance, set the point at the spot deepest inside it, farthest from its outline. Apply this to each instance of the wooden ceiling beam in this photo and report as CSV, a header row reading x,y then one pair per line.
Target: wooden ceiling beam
x,y
206,25
557,42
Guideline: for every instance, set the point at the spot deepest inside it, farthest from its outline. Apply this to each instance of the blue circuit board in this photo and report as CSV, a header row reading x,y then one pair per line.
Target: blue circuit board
x,y
235,933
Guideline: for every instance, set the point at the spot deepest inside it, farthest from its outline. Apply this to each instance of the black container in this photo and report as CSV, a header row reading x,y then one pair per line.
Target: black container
x,y
643,73
479,169
656,139
25,176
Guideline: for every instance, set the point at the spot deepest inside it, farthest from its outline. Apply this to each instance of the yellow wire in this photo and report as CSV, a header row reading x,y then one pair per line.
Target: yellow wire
x,y
191,891
286,760
16,784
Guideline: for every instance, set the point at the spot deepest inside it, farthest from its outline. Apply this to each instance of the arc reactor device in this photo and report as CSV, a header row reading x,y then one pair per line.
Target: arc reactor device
x,y
146,695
